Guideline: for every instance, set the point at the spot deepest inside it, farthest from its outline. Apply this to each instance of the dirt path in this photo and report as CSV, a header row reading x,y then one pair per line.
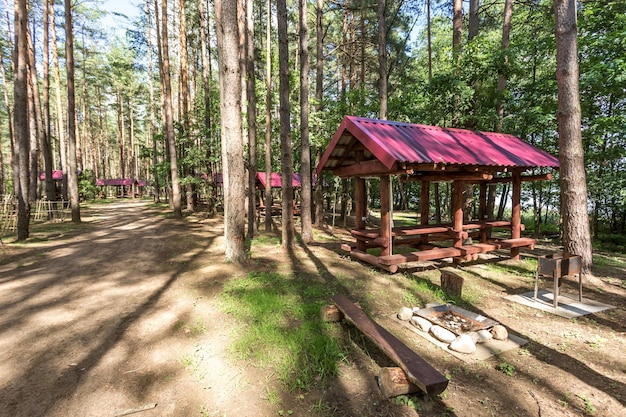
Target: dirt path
x,y
106,320
122,313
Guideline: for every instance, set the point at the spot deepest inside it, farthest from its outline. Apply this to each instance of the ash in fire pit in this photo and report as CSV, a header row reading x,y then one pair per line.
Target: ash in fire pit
x,y
455,323
456,319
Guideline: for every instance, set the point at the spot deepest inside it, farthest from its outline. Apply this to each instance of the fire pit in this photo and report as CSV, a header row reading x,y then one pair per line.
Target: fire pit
x,y
456,319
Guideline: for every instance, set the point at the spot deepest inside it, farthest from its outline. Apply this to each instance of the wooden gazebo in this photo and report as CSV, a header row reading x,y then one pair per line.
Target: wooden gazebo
x,y
363,148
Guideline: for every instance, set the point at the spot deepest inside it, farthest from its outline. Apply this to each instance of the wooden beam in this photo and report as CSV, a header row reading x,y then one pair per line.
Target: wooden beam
x,y
500,180
372,260
367,168
417,370
451,176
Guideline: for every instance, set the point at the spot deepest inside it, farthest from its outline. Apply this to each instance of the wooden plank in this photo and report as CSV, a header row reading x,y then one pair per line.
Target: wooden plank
x,y
373,260
451,176
440,253
417,370
366,168
515,243
540,177
365,233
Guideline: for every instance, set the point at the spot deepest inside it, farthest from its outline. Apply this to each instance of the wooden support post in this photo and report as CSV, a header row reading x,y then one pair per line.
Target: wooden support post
x,y
424,207
385,215
457,210
482,211
361,207
393,382
516,212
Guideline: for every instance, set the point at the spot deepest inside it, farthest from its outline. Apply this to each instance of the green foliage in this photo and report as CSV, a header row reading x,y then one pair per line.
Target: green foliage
x,y
506,368
87,189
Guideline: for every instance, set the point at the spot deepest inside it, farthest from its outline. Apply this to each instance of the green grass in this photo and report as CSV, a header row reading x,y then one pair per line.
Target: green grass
x,y
282,327
609,261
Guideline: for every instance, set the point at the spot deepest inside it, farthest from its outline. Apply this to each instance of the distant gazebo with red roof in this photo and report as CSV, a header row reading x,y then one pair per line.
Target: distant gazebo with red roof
x,y
363,147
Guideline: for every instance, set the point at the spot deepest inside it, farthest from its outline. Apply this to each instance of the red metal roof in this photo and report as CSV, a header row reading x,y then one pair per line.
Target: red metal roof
x,y
393,142
57,175
276,180
115,182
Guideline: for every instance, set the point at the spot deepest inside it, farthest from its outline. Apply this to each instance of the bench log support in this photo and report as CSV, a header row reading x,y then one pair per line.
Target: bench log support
x,y
417,370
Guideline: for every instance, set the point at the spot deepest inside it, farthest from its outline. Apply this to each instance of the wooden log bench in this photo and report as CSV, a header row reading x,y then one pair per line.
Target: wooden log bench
x,y
417,370
466,252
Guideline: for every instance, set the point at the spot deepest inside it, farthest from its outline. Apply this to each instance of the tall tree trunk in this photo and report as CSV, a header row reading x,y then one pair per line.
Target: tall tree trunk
x,y
206,83
382,58
305,167
185,93
471,120
319,105
430,46
285,126
457,29
232,140
169,114
502,80
268,120
152,127
21,117
250,81
72,174
120,134
59,101
7,104
36,125
576,236
502,73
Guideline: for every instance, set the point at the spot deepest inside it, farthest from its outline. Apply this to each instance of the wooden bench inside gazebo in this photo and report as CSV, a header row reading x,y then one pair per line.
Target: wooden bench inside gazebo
x,y
365,148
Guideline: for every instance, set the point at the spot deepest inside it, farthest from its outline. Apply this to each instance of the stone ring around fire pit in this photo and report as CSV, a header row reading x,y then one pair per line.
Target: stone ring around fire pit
x,y
459,328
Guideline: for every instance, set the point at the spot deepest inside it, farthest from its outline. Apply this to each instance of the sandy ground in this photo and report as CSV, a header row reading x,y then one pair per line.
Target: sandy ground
x,y
102,322
121,314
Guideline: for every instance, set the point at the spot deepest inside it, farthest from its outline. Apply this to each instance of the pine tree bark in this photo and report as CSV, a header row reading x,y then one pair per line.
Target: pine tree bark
x,y
36,124
169,114
251,112
185,93
457,28
46,147
576,233
7,104
72,174
21,117
231,125
285,127
319,105
382,59
152,127
268,119
305,167
59,102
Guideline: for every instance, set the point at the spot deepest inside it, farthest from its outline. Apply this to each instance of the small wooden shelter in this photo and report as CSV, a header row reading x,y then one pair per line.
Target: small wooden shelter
x,y
276,182
363,148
